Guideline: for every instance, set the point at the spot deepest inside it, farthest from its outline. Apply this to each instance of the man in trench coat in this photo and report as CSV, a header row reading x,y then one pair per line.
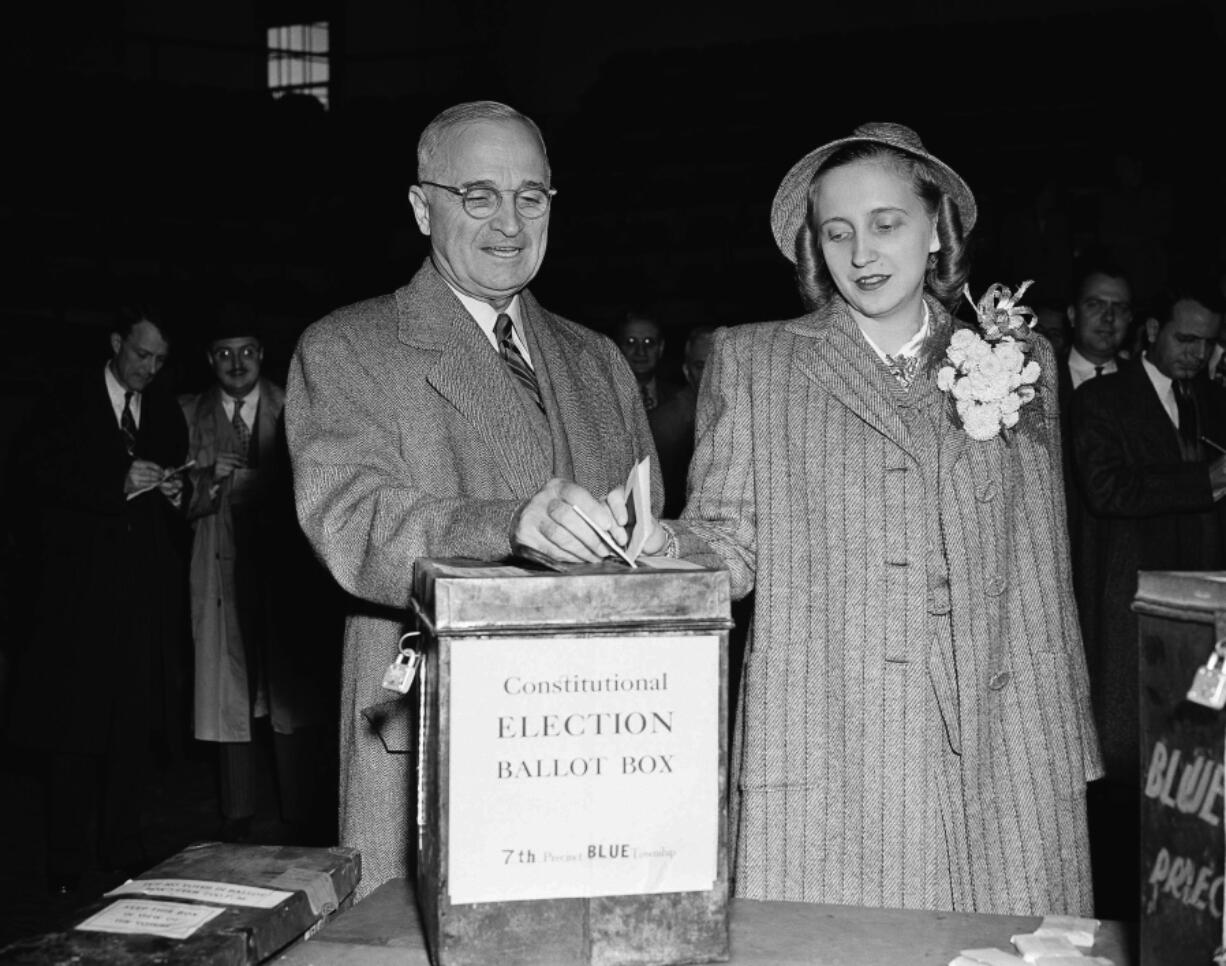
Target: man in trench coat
x,y
415,431
260,649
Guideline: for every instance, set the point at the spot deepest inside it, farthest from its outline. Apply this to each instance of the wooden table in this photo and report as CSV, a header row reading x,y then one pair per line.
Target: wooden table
x,y
383,930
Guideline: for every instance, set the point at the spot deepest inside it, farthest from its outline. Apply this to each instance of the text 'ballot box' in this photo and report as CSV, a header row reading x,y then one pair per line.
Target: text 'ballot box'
x,y
572,764
1181,617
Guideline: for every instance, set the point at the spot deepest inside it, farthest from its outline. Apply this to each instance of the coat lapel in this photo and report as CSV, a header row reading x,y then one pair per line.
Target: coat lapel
x,y
839,358
469,375
564,373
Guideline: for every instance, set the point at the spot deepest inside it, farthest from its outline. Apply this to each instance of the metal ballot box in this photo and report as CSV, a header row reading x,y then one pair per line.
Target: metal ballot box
x,y
1181,617
572,763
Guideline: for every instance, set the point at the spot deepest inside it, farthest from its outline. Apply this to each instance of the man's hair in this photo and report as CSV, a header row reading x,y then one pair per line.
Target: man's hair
x,y
133,313
457,116
1095,263
637,315
695,334
1191,289
948,268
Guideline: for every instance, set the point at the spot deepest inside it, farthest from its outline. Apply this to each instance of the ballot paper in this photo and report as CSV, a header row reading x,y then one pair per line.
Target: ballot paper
x,y
1077,930
990,957
1032,947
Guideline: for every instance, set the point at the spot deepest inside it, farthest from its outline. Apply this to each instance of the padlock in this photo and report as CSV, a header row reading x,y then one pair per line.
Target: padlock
x,y
402,672
1209,686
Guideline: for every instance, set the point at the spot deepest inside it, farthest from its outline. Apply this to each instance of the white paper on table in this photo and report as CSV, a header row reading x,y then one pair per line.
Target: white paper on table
x,y
204,890
173,920
580,813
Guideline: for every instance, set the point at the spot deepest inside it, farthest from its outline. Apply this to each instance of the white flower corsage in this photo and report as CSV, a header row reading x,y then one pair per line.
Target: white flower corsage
x,y
988,374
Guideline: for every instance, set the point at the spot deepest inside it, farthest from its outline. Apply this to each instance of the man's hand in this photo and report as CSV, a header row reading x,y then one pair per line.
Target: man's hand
x,y
172,488
1217,477
657,538
142,475
551,525
226,464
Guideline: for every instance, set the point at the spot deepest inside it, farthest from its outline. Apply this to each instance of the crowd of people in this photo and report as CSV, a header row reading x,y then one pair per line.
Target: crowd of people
x,y
933,604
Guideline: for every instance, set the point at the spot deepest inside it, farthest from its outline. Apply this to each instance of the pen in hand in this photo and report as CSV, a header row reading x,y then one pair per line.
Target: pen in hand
x,y
604,535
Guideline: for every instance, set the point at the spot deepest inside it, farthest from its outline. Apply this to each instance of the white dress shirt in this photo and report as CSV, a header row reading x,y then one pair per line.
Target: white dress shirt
x,y
251,403
116,390
485,315
1080,368
1165,387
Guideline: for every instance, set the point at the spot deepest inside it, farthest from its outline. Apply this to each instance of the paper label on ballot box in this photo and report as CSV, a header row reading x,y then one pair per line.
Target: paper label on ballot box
x,y
583,767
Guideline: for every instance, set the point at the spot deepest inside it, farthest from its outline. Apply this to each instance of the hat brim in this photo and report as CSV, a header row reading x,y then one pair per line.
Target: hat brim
x,y
791,200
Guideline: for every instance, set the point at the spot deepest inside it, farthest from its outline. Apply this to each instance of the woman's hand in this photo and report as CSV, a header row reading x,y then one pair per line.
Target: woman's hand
x,y
657,536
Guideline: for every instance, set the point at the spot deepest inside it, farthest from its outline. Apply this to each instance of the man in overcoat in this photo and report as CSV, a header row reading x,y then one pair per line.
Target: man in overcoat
x,y
453,417
99,682
251,583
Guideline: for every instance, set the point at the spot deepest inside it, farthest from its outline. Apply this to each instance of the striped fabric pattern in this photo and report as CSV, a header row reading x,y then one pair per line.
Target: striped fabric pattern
x,y
514,359
915,728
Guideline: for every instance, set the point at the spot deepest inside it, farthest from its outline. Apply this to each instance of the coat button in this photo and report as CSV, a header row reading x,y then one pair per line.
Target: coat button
x,y
998,680
995,586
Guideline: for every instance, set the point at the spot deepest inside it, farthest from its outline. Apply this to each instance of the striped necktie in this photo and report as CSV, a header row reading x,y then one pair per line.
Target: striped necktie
x,y
1189,424
514,359
241,432
127,424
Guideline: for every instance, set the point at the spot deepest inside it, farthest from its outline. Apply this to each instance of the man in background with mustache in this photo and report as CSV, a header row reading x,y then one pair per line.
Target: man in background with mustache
x,y
254,672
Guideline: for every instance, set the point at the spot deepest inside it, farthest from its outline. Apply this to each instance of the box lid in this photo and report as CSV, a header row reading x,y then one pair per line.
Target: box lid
x,y
1193,595
455,595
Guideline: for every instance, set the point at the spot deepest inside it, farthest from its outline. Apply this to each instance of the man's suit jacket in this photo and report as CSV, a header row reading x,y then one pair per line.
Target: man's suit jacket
x,y
109,605
1150,511
915,727
1082,524
408,440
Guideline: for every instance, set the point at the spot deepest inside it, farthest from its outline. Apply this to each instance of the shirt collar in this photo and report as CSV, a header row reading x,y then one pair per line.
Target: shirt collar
x,y
1162,382
117,389
484,314
911,346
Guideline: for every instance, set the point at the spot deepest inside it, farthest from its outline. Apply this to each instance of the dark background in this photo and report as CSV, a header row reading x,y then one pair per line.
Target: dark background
x,y
145,157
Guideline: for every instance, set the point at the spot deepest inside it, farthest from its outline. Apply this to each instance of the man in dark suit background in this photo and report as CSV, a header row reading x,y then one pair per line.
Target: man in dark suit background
x,y
1152,487
1100,315
454,417
99,679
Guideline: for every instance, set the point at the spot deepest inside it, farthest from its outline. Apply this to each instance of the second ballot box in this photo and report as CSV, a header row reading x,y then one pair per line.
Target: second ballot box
x,y
1182,623
572,763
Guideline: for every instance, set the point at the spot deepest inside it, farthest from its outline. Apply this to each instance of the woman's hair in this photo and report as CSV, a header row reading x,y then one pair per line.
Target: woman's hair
x,y
948,268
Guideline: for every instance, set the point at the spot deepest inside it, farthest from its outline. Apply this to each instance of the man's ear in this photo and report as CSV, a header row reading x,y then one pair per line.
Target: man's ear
x,y
116,342
421,210
1152,327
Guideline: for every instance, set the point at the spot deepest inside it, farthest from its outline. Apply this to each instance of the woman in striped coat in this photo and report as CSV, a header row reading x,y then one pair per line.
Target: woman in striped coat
x,y
914,729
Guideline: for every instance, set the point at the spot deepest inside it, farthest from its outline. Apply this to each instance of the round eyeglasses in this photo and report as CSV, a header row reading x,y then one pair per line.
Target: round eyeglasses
x,y
483,200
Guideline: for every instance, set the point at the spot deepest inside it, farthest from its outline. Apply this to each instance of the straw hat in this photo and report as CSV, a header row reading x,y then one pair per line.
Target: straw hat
x,y
790,204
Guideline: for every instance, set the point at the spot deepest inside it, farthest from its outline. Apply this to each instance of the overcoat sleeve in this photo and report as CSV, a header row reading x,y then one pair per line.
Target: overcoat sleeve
x,y
1118,482
367,508
718,526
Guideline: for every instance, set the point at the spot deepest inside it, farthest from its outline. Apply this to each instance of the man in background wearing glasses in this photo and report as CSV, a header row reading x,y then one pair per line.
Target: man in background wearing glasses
x,y
454,417
254,670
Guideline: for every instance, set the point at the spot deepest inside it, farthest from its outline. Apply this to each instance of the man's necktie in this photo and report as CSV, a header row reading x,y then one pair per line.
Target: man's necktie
x,y
241,432
1189,425
514,358
1098,371
127,424
649,401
